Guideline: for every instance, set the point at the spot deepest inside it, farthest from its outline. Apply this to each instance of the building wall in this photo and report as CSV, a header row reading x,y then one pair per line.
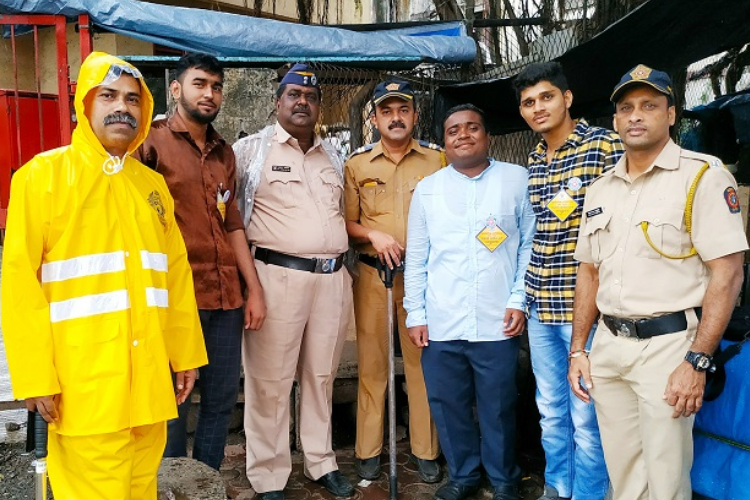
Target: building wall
x,y
26,63
339,11
47,62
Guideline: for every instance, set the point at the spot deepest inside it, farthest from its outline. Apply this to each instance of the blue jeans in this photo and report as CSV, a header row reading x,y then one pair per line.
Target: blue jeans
x,y
219,386
458,375
570,433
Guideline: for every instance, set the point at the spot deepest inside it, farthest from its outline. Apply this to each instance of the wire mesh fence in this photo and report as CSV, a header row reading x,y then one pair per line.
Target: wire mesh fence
x,y
347,91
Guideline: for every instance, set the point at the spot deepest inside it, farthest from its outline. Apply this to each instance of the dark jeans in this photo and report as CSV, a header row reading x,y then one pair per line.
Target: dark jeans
x,y
219,386
459,375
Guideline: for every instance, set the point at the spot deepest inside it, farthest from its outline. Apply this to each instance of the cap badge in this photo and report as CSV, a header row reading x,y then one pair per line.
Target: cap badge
x,y
640,72
392,87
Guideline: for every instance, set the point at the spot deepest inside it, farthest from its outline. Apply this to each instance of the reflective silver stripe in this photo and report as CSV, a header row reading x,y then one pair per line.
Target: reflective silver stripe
x,y
155,261
87,265
89,305
158,297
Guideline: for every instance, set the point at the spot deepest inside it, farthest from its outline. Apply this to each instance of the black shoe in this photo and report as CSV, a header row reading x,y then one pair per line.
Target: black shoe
x,y
369,468
455,491
336,484
270,495
429,470
506,492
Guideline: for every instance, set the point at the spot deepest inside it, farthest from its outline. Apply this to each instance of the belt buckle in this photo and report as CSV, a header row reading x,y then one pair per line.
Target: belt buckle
x,y
626,328
325,266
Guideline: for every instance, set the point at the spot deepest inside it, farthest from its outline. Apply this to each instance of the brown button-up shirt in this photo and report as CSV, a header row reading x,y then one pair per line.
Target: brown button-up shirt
x,y
297,208
635,281
378,190
196,179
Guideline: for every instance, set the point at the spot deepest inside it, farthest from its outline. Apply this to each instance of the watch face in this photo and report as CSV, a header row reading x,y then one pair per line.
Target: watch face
x,y
704,362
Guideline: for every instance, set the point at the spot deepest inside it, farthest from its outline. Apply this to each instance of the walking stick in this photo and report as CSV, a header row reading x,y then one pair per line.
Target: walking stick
x,y
40,453
387,275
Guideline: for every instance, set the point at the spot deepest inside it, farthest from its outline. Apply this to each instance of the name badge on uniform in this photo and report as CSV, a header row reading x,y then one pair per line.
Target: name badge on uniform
x,y
221,201
562,205
281,168
492,236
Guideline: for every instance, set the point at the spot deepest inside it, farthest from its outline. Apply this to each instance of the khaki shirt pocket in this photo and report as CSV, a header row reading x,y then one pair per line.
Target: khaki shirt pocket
x,y
373,199
664,229
601,240
333,190
286,187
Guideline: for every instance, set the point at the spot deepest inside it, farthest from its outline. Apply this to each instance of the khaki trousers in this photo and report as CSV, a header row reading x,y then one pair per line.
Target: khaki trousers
x,y
371,312
302,336
114,466
648,453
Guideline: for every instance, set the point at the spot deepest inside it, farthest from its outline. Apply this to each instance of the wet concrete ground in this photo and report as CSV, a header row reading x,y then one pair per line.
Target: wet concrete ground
x,y
410,486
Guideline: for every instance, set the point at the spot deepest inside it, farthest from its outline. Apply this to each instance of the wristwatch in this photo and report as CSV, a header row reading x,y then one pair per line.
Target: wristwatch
x,y
700,361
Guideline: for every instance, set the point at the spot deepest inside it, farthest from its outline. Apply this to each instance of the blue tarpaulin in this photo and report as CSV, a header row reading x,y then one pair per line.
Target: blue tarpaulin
x,y
231,35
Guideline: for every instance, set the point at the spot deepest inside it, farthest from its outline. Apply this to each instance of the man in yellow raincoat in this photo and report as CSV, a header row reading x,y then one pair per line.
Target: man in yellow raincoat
x,y
97,295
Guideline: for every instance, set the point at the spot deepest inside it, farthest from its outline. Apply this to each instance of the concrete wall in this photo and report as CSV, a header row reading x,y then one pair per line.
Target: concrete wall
x,y
248,102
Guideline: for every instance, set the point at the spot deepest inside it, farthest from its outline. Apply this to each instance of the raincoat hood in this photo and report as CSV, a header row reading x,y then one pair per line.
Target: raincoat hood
x,y
97,68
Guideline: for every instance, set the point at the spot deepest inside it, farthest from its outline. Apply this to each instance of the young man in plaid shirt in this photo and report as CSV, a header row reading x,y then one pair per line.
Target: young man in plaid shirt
x,y
570,155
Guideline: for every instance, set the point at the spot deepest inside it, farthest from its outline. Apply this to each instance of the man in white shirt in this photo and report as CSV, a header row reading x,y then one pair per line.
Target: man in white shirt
x,y
470,232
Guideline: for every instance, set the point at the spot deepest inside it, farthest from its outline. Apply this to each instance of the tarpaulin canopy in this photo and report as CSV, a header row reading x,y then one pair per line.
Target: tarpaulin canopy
x,y
255,39
664,34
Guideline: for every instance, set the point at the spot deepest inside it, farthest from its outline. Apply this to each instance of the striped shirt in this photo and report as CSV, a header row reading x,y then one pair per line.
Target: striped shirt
x,y
551,276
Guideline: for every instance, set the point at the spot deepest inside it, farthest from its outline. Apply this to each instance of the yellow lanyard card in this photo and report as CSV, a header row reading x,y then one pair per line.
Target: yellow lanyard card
x,y
491,236
562,205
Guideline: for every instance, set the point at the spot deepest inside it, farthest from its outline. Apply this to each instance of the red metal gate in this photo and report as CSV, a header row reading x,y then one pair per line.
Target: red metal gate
x,y
34,121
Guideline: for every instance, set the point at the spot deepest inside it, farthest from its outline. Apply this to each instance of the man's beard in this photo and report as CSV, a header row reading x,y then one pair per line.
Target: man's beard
x,y
197,114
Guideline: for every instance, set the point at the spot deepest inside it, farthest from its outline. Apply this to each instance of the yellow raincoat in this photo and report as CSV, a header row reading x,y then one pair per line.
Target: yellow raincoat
x,y
97,293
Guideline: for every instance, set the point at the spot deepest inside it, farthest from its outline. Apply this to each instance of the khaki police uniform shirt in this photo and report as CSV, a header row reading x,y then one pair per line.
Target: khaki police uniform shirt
x,y
297,207
634,280
378,191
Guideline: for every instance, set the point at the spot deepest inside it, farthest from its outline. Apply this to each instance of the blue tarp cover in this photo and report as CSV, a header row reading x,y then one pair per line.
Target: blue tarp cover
x,y
232,35
722,436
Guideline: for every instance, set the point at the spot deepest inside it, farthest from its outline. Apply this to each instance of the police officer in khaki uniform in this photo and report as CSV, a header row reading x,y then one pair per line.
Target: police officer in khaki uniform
x,y
379,182
290,189
661,238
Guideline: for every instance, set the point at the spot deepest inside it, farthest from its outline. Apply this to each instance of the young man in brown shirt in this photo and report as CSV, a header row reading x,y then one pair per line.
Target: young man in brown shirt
x,y
199,168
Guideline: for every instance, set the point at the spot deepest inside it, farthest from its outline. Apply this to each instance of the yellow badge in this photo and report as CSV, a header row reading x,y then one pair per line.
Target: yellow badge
x,y
221,201
492,236
562,205
640,72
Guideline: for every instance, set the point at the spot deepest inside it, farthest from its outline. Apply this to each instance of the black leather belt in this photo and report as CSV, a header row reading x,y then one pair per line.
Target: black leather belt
x,y
369,260
312,265
646,328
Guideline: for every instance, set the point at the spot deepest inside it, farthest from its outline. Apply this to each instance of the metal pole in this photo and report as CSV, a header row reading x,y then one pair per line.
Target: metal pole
x,y
40,453
387,275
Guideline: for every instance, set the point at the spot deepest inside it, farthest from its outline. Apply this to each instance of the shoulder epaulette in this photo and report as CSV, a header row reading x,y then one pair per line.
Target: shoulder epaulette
x,y
712,161
430,145
363,149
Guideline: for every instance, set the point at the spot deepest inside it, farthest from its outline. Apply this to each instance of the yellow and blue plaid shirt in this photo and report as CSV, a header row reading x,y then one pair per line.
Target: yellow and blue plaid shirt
x,y
551,275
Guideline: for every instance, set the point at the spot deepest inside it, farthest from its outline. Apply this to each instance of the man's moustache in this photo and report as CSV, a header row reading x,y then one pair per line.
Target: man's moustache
x,y
126,118
396,125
